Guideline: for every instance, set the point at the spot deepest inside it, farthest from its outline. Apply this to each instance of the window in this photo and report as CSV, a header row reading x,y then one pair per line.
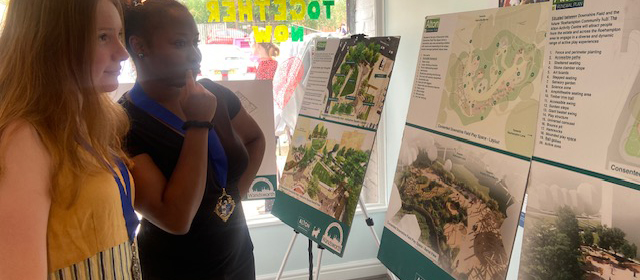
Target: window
x,y
228,54
3,8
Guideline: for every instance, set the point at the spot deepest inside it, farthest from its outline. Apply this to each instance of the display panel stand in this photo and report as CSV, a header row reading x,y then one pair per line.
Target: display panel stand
x,y
370,224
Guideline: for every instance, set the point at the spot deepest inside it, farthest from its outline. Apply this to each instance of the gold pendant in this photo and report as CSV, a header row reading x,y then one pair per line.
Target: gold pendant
x,y
225,206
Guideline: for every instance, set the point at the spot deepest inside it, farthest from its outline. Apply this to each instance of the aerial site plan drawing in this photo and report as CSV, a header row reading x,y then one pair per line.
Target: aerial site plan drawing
x,y
480,72
488,79
493,79
358,88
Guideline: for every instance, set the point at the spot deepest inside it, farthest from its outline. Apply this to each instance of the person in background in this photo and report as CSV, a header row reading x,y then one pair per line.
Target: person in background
x,y
267,65
65,191
343,29
194,159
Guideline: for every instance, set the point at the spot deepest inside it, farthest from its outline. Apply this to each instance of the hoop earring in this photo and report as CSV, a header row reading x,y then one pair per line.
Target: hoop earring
x,y
141,55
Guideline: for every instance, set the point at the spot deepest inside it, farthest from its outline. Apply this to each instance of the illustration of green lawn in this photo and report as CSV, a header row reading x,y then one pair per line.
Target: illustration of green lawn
x,y
317,144
350,87
322,173
364,115
342,109
632,145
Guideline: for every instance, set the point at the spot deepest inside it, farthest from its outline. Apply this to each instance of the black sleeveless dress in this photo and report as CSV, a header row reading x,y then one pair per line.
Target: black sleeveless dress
x,y
212,249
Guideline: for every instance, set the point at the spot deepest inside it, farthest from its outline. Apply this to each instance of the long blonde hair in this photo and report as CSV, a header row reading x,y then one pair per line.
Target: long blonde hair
x,y
46,51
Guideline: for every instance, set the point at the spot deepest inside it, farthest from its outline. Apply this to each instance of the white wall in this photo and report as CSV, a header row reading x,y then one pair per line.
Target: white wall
x,y
406,18
3,7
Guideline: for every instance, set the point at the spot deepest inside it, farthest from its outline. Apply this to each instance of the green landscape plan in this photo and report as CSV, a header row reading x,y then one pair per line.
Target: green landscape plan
x,y
332,143
455,203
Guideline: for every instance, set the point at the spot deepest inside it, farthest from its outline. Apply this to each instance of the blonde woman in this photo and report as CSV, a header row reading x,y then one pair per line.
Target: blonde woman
x,y
65,192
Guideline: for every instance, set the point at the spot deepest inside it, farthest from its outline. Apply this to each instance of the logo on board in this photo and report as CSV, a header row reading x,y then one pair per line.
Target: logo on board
x,y
432,25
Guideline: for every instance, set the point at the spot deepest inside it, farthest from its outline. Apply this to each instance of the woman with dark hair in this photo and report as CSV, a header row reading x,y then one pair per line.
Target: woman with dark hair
x,y
193,161
65,191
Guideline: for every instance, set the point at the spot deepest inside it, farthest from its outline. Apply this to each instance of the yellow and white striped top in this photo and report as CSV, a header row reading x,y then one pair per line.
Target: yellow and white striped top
x,y
114,263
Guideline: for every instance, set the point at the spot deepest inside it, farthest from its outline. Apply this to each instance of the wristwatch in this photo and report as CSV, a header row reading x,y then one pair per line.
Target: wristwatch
x,y
197,124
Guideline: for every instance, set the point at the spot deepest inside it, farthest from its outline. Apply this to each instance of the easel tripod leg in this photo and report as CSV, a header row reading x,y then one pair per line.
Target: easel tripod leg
x,y
370,224
319,262
286,255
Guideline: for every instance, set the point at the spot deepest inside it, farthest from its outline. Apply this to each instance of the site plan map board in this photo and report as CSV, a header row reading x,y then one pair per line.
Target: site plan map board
x,y
582,211
257,99
467,146
333,138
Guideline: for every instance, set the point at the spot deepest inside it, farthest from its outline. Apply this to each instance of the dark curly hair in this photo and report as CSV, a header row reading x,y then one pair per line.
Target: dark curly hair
x,y
142,19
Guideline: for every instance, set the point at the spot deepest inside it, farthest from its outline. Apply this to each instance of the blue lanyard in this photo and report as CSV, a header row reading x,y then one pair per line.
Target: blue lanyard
x,y
217,155
130,217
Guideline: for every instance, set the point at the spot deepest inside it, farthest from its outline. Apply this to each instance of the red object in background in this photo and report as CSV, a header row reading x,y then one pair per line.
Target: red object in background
x,y
228,37
287,77
266,69
241,42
